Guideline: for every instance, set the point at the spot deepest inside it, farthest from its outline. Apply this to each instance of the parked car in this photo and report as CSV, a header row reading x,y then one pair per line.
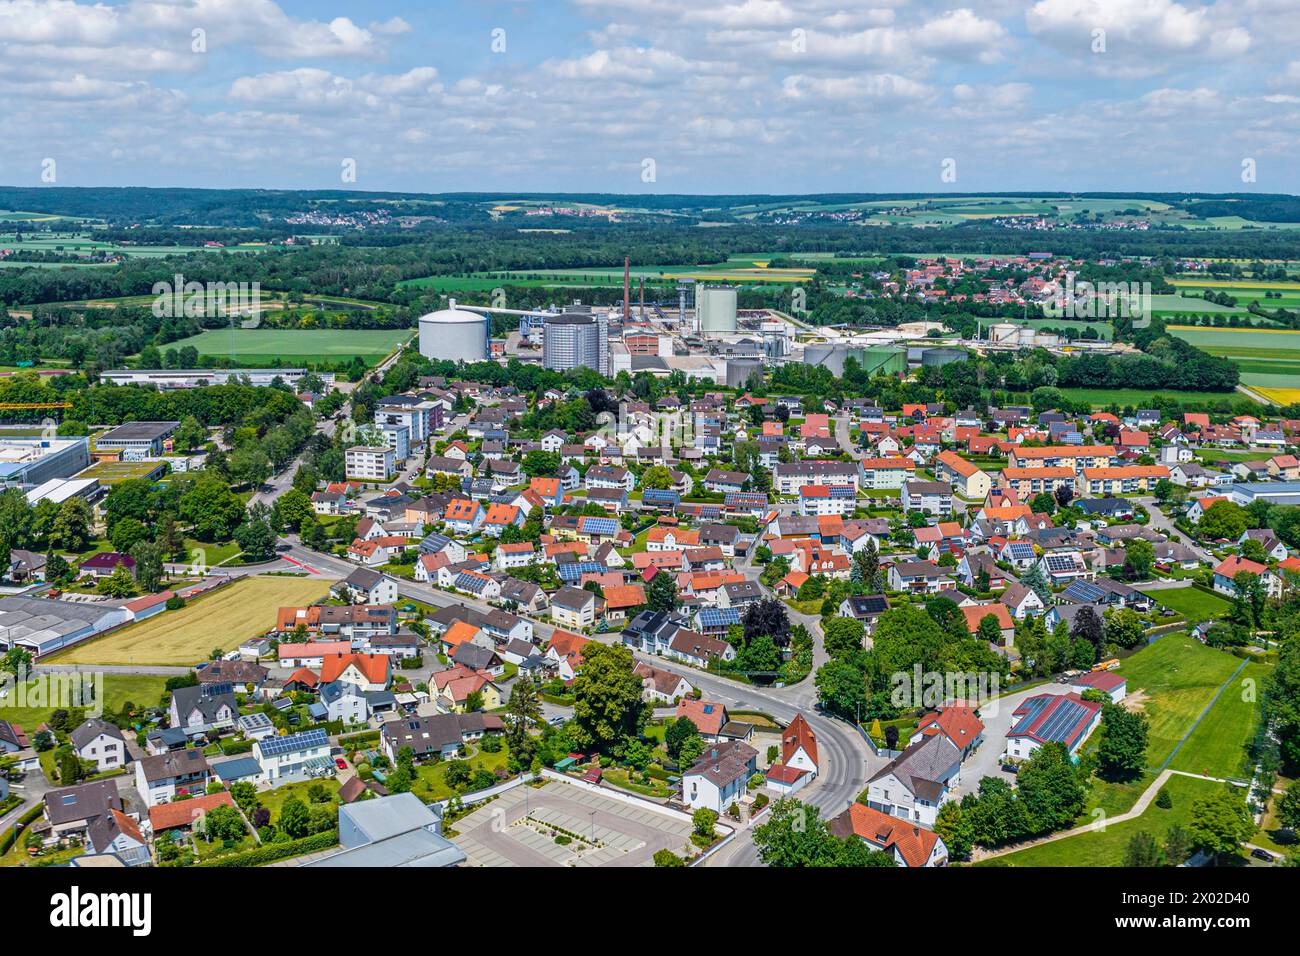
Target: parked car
x,y
1260,853
340,763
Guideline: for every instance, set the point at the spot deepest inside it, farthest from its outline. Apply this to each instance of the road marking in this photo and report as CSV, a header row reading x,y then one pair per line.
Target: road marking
x,y
305,567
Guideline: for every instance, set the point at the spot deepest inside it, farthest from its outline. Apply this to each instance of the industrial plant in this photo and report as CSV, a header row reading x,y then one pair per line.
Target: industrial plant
x,y
705,334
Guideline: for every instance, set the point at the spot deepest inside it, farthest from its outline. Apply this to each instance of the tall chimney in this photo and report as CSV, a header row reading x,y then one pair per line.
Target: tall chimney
x,y
627,287
642,281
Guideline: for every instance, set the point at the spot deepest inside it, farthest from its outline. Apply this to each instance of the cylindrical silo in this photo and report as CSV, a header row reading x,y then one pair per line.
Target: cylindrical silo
x,y
715,306
454,335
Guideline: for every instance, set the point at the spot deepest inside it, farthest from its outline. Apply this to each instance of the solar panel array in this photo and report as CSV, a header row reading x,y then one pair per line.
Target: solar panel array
x,y
574,570
599,525
307,740
1060,562
1033,708
1061,721
1085,592
470,582
719,616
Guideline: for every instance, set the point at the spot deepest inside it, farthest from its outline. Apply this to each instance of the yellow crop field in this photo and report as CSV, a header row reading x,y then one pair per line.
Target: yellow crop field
x,y
1232,284
1283,396
746,275
225,619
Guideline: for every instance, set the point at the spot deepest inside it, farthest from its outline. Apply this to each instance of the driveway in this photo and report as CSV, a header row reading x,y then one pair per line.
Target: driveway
x,y
996,714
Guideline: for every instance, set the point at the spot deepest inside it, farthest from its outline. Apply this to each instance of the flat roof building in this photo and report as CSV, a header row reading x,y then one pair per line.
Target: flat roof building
x,y
137,439
34,461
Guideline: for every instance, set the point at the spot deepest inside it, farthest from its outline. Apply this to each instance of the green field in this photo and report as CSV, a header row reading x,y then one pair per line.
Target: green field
x,y
296,346
1266,357
1218,746
119,689
740,268
1176,678
83,243
1138,398
1191,602
1106,847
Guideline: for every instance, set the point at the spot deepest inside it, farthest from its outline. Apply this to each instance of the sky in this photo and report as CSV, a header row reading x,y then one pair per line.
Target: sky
x,y
653,96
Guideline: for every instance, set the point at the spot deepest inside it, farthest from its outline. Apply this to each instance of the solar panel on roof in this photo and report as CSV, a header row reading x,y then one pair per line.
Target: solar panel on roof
x,y
306,740
574,570
1085,591
1061,721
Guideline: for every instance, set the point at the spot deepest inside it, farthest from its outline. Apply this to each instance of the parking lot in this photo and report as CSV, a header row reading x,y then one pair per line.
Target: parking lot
x,y
522,827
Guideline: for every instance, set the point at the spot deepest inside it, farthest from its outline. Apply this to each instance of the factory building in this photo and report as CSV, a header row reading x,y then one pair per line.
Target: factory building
x,y
137,440
170,379
576,340
33,461
454,335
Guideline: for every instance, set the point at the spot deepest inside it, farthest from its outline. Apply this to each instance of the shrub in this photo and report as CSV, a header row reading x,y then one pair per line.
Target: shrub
x,y
1163,800
269,853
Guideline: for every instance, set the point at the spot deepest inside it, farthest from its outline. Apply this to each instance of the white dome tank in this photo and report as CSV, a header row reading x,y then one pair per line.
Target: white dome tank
x,y
453,334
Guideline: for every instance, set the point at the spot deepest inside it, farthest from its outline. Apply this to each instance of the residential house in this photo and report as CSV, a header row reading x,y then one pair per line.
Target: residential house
x,y
720,777
101,742
918,781
161,778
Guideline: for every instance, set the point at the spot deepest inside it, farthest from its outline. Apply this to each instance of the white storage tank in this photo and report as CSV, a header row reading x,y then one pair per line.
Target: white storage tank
x,y
715,306
453,334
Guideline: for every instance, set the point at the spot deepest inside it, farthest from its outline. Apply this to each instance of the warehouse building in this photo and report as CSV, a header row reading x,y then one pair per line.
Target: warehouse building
x,y
42,626
28,462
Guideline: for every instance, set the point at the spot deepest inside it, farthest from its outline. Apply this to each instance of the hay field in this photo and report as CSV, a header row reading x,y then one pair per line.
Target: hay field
x,y
225,618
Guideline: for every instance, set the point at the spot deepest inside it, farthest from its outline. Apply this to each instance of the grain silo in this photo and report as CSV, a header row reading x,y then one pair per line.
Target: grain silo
x,y
454,335
715,307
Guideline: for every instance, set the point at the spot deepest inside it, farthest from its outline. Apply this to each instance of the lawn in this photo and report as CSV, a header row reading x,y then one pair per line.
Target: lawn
x,y
261,346
1177,677
1191,602
430,782
1106,847
119,689
225,618
274,800
1217,747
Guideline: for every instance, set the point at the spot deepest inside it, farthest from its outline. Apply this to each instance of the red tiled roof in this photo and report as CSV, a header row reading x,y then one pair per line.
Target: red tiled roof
x,y
182,813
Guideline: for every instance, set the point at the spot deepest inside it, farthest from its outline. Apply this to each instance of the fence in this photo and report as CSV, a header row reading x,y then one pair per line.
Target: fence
x,y
478,796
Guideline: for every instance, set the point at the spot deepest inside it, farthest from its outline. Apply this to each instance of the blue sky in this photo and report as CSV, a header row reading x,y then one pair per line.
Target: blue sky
x,y
576,95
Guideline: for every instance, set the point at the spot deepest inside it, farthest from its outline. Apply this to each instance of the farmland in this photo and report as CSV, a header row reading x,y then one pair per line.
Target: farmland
x,y
1138,398
84,243
296,346
1269,358
742,269
225,619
